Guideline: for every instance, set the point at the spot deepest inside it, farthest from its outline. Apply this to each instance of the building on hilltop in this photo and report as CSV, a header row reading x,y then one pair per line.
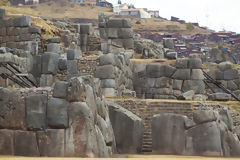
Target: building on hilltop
x,y
139,13
118,8
104,3
25,2
154,14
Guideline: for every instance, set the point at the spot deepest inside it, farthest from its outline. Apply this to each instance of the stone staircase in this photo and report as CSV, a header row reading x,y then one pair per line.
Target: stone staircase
x,y
146,109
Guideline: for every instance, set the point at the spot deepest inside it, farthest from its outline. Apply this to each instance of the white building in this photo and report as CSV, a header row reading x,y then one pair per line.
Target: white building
x,y
139,13
118,8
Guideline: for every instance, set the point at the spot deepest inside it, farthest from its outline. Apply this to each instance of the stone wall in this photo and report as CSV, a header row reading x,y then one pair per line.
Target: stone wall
x,y
69,120
116,34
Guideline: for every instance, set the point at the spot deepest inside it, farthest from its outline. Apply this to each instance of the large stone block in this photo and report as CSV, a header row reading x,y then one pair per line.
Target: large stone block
x,y
50,63
225,66
60,89
62,64
197,74
157,70
103,150
2,13
195,63
226,117
168,134
230,74
203,116
72,67
115,23
57,115
163,82
108,83
231,85
182,63
23,21
127,23
73,54
204,140
46,80
107,59
105,72
54,48
215,74
231,145
171,55
177,84
125,33
168,43
76,91
86,28
6,142
36,111
128,129
51,142
112,33
220,97
182,74
25,144
128,43
197,85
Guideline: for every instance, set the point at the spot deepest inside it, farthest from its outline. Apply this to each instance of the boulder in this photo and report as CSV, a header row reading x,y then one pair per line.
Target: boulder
x,y
203,116
200,97
188,95
182,74
128,130
204,140
168,134
60,89
225,66
225,116
54,40
197,85
36,111
80,138
76,91
51,142
57,114
25,144
128,43
195,63
127,23
7,142
50,63
112,33
105,72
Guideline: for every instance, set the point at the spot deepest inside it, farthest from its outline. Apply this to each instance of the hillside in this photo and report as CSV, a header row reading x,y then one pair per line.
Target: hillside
x,y
62,9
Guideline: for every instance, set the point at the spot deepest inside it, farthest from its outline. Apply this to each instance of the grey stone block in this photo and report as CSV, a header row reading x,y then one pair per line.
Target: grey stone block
x,y
7,142
103,33
231,85
230,74
168,43
127,23
46,80
115,23
182,63
51,142
182,74
108,83
54,40
112,33
109,92
203,116
157,70
62,64
36,112
73,54
23,21
177,84
53,47
188,95
197,85
220,97
125,33
171,55
50,63
197,74
107,59
34,30
2,13
128,43
72,67
226,117
164,82
225,66
105,72
85,28
57,113
163,91
195,63
60,89
215,74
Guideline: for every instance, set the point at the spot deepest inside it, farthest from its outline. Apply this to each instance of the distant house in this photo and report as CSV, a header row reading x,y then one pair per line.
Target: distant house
x,y
154,14
104,3
174,19
91,2
139,13
118,8
25,2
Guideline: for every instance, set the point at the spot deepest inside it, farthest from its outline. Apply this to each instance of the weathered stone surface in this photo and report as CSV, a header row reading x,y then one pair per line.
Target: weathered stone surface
x,y
163,91
50,63
51,143
2,13
72,67
25,144
220,97
80,138
6,142
197,85
46,80
182,63
36,111
62,64
76,91
85,28
60,89
204,140
115,23
109,92
12,110
23,21
195,63
230,74
182,74
103,150
168,43
168,134
54,40
215,74
53,47
73,54
231,145
127,23
108,83
177,84
125,33
232,85
188,95
171,55
128,129
203,116
105,72
225,66
226,118
128,43
200,97
157,70
112,33
151,82
197,74
57,115
107,59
